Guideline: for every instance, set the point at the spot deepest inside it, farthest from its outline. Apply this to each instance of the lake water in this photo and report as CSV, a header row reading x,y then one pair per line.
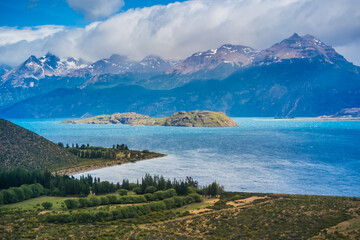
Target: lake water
x,y
300,157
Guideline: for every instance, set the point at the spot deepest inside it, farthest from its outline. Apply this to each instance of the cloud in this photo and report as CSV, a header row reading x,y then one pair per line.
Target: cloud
x,y
179,29
13,35
96,9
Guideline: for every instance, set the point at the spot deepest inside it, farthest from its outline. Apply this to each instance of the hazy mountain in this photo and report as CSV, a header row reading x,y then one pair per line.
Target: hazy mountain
x,y
300,76
289,88
4,69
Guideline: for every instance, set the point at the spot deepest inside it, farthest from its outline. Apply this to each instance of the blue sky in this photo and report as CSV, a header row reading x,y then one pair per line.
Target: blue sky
x,y
94,29
23,13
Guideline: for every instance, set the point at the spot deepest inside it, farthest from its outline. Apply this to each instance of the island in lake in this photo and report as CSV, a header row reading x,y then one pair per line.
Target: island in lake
x,y
182,119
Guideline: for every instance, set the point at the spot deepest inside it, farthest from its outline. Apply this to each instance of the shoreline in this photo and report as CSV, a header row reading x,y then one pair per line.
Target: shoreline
x,y
81,169
311,119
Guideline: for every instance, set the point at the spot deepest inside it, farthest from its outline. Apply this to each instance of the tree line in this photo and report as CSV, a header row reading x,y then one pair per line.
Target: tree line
x,y
57,185
123,212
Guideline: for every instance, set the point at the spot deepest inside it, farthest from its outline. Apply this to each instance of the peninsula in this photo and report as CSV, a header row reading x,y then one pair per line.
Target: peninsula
x,y
182,119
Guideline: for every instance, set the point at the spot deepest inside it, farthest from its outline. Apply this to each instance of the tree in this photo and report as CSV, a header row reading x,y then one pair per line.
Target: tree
x,y
47,205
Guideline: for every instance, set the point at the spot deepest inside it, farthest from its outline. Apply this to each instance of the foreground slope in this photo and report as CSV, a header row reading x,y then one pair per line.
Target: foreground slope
x,y
22,148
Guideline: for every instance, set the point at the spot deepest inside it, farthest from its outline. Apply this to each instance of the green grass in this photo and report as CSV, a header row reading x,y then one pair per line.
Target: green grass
x,y
196,206
36,203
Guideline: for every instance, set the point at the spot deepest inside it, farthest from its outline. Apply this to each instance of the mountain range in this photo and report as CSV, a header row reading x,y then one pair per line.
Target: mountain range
x,y
299,76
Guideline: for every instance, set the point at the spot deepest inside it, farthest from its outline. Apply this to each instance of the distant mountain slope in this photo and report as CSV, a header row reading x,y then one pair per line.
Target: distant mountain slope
x,y
289,88
22,148
4,69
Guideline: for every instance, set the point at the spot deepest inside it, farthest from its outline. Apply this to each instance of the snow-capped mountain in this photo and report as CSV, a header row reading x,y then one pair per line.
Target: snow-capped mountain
x,y
296,47
115,64
235,55
152,64
38,68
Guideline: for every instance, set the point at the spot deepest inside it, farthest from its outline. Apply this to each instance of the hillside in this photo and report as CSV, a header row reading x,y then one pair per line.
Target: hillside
x,y
181,119
22,148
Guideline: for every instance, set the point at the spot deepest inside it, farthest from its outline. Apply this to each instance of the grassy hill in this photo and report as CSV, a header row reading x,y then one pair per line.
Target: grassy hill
x,y
22,148
182,119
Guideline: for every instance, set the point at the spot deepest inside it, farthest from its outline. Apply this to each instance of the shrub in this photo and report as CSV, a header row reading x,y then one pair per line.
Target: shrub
x,y
104,201
170,203
137,190
84,202
117,214
157,206
9,196
123,192
47,205
72,203
103,216
28,193
149,197
170,193
179,201
196,197
37,189
112,198
85,218
150,189
94,201
159,195
60,218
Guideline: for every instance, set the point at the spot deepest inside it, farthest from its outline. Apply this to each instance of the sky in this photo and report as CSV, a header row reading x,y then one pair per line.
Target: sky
x,y
94,29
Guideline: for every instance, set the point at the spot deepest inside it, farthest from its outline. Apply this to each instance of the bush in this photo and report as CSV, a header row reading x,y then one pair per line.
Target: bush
x,y
149,197
19,194
104,201
133,199
137,190
170,203
9,196
72,203
123,192
28,193
150,189
94,201
196,197
84,202
112,199
179,201
159,195
37,190
103,216
157,206
47,205
85,218
170,193
60,218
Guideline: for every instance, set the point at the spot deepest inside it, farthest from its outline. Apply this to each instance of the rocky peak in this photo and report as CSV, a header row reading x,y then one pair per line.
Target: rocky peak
x,y
236,55
151,63
300,47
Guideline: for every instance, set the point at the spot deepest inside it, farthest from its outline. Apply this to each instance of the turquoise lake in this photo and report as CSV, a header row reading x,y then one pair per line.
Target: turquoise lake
x,y
297,157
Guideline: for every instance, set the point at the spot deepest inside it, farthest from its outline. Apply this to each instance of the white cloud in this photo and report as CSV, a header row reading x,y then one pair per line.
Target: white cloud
x,y
180,29
13,35
96,9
